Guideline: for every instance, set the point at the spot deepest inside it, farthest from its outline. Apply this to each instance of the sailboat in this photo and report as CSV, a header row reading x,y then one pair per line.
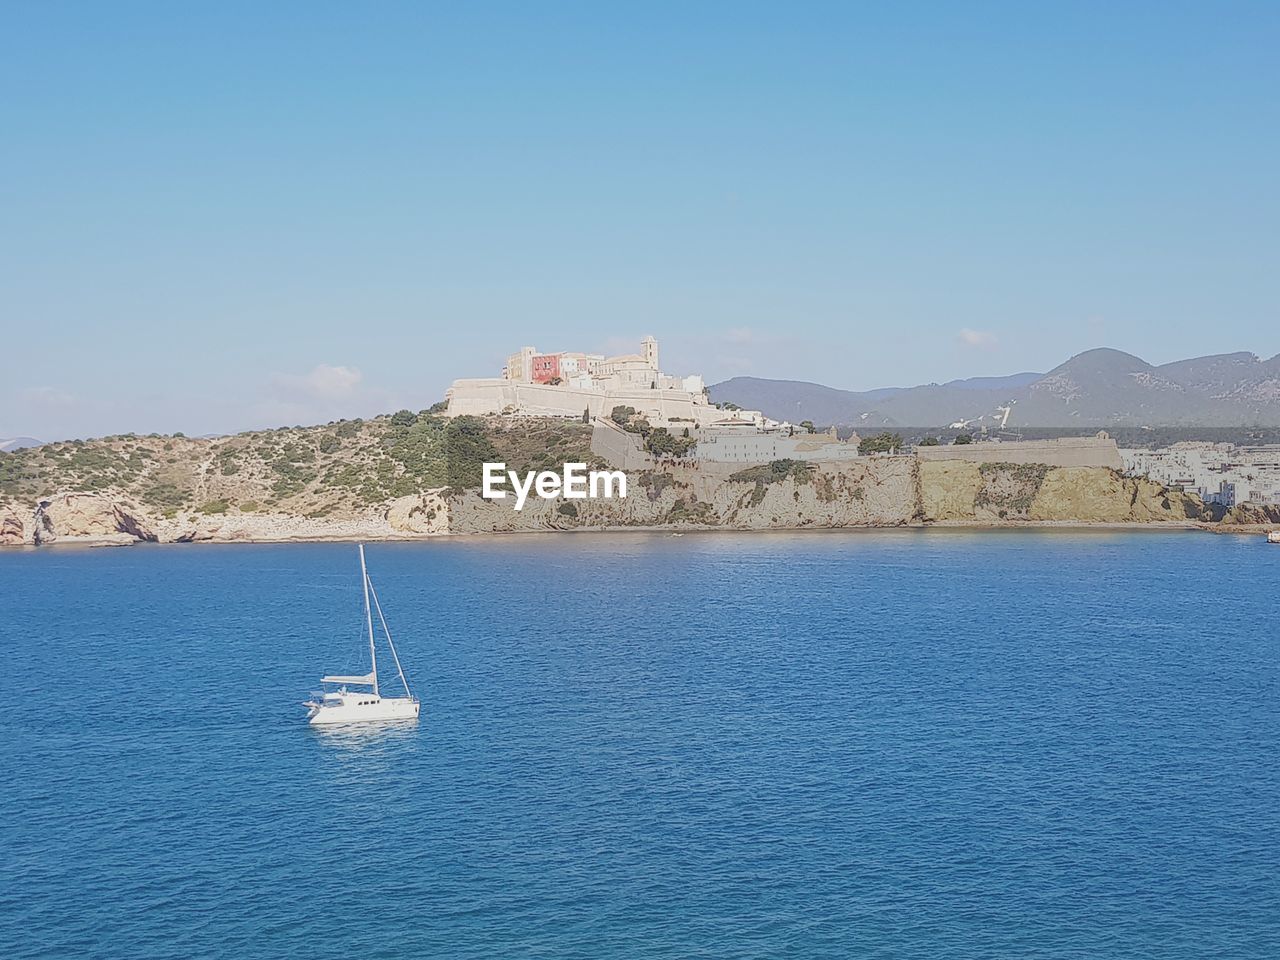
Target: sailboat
x,y
345,705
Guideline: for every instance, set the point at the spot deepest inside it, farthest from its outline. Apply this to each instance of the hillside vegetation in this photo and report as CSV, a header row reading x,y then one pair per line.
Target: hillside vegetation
x,y
417,474
343,468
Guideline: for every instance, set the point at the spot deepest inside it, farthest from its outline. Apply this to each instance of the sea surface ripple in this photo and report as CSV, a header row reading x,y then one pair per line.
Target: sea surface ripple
x,y
892,744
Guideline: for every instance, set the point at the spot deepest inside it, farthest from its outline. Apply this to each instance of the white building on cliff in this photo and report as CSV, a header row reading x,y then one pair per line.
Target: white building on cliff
x,y
567,384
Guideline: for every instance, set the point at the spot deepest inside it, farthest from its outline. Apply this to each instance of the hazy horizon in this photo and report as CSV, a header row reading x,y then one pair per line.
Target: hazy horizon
x,y
237,216
339,377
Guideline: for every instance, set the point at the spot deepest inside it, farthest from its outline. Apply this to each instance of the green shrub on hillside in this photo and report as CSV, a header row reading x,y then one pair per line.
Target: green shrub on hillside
x,y
468,448
692,510
662,443
164,494
19,472
775,471
881,443
421,450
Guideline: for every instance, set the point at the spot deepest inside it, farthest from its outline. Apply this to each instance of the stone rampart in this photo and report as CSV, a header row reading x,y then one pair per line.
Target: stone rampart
x,y
482,397
1063,452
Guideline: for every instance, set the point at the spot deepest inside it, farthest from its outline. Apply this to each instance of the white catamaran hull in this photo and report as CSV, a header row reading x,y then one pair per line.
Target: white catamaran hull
x,y
361,708
346,706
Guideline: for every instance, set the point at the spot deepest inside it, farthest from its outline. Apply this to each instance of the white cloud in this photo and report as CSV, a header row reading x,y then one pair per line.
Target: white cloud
x,y
322,382
47,398
325,392
741,335
976,338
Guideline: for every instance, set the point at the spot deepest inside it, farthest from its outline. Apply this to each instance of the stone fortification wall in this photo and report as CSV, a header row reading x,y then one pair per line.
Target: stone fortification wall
x,y
1064,452
490,396
617,447
745,448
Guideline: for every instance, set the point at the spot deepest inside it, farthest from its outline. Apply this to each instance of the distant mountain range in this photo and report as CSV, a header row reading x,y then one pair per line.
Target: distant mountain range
x,y
18,443
1096,388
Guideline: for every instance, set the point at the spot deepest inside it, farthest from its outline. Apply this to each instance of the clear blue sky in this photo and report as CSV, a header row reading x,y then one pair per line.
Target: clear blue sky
x,y
227,215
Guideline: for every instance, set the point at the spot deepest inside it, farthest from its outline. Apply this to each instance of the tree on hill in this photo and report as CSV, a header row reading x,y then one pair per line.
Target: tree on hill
x,y
468,448
662,443
808,425
775,471
962,438
928,442
881,443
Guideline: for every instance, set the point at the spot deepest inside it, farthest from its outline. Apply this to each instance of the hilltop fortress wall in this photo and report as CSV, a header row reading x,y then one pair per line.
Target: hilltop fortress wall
x,y
617,447
480,397
1099,451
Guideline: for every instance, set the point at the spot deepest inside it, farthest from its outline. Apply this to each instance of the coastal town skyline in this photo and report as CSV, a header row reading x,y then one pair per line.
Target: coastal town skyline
x,y
327,393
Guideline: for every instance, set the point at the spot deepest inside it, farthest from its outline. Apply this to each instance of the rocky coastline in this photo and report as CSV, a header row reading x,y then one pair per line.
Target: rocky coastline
x,y
879,492
408,476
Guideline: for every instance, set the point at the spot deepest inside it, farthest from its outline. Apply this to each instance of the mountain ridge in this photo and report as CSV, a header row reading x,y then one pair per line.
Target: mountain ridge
x,y
17,443
1097,388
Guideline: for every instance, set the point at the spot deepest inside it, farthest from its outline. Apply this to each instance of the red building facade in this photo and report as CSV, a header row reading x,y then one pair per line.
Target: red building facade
x,y
546,366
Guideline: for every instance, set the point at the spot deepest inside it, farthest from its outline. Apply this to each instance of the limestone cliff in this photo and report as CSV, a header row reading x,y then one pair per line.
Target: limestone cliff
x,y
416,475
1093,495
949,489
1008,493
875,492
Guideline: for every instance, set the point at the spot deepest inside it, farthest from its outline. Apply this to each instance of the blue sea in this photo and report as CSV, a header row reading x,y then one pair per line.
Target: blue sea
x,y
866,744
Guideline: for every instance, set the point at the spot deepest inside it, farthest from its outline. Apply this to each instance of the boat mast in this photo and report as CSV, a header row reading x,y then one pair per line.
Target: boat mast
x,y
390,643
368,619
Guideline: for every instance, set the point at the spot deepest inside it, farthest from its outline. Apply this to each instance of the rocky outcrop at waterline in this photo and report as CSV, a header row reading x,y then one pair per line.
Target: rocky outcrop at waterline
x,y
88,517
1247,514
13,528
419,513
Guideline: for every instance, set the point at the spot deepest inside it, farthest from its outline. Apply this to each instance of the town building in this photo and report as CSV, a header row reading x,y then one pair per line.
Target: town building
x,y
546,368
1222,473
741,440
